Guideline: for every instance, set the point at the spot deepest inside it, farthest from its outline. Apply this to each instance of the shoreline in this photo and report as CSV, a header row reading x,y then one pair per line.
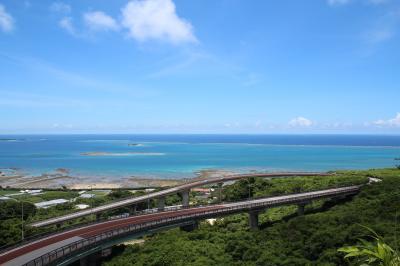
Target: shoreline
x,y
61,178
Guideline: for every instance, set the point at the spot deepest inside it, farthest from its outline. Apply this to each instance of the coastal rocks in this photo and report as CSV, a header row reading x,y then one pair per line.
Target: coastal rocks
x,y
135,144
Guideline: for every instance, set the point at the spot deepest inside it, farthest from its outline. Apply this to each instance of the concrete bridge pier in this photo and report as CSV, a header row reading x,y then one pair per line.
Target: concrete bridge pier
x,y
161,203
339,198
185,198
219,192
132,209
301,207
253,219
91,260
98,216
190,227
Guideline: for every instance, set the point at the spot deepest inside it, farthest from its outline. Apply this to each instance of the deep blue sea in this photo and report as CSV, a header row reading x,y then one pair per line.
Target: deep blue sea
x,y
177,156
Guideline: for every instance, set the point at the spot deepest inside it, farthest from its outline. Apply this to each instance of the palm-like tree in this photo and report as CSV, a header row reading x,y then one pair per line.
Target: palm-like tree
x,y
377,253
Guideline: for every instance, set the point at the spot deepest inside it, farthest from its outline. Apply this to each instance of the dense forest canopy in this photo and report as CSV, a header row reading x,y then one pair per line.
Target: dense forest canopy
x,y
284,238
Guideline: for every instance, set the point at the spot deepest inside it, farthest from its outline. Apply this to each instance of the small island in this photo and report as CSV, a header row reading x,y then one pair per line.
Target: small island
x,y
135,144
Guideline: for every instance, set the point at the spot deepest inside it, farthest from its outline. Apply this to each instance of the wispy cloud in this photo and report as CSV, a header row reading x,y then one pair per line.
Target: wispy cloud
x,y
300,122
23,100
392,122
60,7
378,2
156,20
77,80
381,29
175,64
345,2
379,35
384,28
337,2
198,61
98,20
251,80
66,24
6,20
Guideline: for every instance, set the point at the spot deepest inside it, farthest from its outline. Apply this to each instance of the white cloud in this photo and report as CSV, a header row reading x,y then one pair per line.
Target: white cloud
x,y
379,35
60,7
98,20
338,2
393,122
66,24
382,30
300,122
156,19
6,20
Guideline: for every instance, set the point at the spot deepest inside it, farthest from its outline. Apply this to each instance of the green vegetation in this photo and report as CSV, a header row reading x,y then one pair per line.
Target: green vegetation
x,y
10,220
378,253
10,210
284,238
261,187
47,195
5,192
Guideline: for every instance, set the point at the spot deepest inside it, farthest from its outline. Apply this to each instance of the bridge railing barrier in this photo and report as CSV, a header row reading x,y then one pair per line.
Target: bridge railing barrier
x,y
83,244
167,191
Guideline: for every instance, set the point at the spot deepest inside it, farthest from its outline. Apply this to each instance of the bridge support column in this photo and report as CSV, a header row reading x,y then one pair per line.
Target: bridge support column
x,y
190,227
161,203
339,198
219,192
132,209
185,198
98,216
253,219
301,208
91,260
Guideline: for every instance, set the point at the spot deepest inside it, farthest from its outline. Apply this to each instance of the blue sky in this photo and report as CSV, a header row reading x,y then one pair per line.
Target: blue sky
x,y
210,66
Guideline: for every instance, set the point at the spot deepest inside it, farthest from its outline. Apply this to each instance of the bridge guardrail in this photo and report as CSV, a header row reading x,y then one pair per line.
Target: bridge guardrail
x,y
69,249
36,237
184,186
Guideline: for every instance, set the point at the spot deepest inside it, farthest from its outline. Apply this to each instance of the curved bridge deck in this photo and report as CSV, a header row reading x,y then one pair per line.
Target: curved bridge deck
x,y
65,246
163,193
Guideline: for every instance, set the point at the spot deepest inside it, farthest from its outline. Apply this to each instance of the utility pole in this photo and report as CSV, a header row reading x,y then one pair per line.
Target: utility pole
x,y
91,201
248,185
22,220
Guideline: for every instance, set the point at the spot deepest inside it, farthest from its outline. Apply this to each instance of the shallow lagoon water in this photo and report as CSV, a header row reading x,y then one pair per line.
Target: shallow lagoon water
x,y
178,156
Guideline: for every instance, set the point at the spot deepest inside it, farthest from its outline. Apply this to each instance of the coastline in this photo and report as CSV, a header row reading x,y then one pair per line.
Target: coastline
x,y
61,178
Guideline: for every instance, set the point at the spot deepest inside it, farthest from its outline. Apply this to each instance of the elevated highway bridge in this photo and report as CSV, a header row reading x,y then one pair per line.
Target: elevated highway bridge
x,y
85,242
160,195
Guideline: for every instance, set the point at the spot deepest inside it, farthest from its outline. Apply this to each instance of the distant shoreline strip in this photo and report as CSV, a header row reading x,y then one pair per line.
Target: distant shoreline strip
x,y
122,154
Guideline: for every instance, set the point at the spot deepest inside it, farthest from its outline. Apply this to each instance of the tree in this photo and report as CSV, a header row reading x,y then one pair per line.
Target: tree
x,y
378,253
397,165
119,194
13,209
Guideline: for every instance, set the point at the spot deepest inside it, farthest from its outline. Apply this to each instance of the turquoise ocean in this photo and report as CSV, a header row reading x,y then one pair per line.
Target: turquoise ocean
x,y
179,156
